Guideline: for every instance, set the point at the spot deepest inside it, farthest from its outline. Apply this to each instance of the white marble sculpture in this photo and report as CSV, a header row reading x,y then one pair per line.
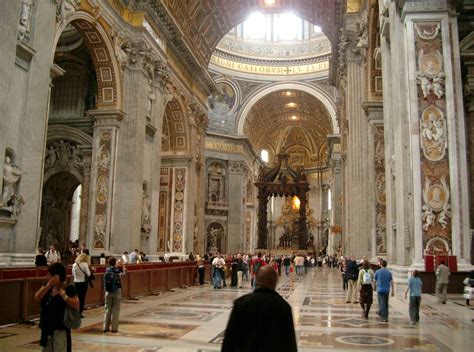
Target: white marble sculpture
x,y
11,176
25,19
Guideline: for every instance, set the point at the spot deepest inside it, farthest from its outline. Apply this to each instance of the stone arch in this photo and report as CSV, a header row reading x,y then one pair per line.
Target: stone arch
x,y
175,128
109,92
315,91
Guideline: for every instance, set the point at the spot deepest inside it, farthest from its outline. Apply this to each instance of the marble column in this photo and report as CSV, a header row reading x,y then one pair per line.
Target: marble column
x,y
199,236
236,217
153,134
85,199
467,56
427,130
104,160
376,157
336,164
357,229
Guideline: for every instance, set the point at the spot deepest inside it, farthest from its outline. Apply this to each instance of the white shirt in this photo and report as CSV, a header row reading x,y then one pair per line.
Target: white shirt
x,y
125,259
218,262
77,273
53,257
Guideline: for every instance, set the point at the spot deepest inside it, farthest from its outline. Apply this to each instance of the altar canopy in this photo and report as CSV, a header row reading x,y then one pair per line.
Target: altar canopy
x,y
281,182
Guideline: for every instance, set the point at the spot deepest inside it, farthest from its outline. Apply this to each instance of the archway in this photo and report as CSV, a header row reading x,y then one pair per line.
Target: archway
x,y
86,79
316,92
56,208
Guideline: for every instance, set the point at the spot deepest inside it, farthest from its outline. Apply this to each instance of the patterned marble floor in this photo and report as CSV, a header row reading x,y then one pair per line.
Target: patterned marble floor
x,y
194,319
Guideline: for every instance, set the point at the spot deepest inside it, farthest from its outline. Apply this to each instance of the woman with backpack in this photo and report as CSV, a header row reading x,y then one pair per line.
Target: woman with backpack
x,y
365,282
113,294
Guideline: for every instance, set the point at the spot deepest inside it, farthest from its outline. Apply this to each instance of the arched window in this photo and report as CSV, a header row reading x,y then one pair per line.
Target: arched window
x,y
264,155
329,199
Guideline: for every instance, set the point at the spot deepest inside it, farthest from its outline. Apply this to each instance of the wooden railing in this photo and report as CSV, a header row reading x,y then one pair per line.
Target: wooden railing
x,y
18,286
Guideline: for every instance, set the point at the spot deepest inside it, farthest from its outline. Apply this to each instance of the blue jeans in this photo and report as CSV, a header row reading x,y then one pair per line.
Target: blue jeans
x,y
217,279
414,309
383,305
287,270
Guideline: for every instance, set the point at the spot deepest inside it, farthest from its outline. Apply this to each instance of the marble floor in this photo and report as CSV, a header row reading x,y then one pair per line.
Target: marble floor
x,y
194,319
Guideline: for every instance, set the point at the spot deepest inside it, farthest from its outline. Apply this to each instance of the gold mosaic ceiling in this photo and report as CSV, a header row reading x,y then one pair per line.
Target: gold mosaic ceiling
x,y
205,22
292,121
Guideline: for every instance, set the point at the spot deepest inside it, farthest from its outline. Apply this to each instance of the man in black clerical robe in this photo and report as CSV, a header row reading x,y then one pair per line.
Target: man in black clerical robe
x,y
262,320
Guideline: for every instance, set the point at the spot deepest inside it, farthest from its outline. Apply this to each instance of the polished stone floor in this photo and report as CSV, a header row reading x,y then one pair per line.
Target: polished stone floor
x,y
194,319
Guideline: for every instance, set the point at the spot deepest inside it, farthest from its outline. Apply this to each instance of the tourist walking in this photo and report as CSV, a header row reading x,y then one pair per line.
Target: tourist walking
x,y
442,280
201,271
469,287
384,282
352,273
218,264
80,273
113,294
287,264
414,286
365,282
240,270
261,320
342,269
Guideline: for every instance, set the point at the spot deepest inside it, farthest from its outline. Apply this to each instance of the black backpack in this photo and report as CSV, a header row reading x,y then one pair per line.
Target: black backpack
x,y
111,281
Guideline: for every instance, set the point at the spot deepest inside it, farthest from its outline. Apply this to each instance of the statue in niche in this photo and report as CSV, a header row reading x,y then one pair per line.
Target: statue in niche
x,y
11,176
118,51
213,236
63,153
146,210
214,190
151,97
25,18
76,157
51,157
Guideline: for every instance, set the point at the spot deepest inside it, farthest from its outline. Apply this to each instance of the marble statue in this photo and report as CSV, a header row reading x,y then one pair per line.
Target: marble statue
x,y
25,19
51,157
65,8
438,82
146,210
11,176
151,96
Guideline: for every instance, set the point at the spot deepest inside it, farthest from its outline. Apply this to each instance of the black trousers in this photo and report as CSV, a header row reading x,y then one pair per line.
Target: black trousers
x,y
201,272
81,288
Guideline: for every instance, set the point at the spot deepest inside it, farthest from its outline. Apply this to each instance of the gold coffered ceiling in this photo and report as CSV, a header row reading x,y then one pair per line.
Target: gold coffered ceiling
x,y
205,22
292,121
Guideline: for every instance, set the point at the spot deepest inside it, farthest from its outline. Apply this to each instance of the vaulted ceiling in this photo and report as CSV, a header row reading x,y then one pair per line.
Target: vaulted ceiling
x,y
205,22
289,121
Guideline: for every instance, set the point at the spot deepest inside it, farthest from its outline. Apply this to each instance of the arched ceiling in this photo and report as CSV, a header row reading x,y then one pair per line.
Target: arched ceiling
x,y
205,22
292,121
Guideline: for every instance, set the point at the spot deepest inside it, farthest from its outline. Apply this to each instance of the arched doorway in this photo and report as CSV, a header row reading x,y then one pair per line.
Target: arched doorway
x,y
56,209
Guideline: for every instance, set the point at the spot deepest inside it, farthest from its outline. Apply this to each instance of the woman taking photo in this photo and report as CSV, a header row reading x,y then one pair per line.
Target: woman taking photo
x,y
80,272
54,296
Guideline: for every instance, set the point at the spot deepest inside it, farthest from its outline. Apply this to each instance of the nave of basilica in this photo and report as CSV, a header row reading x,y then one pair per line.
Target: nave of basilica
x,y
330,127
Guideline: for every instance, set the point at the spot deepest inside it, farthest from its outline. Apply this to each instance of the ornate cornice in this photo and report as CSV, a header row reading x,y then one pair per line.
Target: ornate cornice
x,y
176,41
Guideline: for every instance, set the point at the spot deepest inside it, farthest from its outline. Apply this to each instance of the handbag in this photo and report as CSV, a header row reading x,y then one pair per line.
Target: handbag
x,y
72,318
89,278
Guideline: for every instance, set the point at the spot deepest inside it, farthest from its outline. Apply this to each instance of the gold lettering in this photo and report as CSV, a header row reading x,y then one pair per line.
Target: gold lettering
x,y
270,70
